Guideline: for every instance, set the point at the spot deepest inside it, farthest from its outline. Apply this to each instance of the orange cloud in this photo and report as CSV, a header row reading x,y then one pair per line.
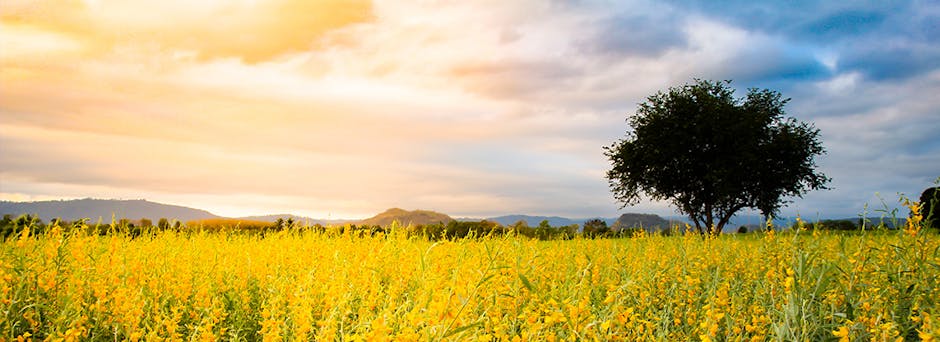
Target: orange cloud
x,y
250,31
208,99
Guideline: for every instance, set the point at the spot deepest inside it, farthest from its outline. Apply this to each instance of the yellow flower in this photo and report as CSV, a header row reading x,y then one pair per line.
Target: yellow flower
x,y
842,333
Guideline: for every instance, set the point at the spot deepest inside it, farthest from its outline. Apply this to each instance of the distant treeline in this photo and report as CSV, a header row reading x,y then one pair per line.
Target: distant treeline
x,y
10,226
885,223
595,228
852,224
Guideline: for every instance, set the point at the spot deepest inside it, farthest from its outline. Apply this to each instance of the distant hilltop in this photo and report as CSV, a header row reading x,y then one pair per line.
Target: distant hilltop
x,y
405,217
103,209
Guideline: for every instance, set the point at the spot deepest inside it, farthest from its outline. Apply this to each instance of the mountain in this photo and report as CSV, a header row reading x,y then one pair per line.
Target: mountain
x,y
101,209
406,217
648,222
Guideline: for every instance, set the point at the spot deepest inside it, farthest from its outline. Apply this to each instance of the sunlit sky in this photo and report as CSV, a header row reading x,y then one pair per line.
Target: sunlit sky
x,y
343,108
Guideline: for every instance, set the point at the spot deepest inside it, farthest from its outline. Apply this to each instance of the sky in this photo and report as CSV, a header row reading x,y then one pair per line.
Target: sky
x,y
343,108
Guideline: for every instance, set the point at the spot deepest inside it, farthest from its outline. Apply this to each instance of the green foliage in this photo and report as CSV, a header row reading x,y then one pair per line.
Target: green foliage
x,y
929,201
10,227
838,225
595,228
478,229
712,155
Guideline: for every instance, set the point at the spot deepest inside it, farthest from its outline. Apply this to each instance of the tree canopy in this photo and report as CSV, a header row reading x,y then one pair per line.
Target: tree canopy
x,y
712,154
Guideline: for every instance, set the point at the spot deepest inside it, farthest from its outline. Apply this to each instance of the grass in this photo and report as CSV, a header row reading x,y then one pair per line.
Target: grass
x,y
804,285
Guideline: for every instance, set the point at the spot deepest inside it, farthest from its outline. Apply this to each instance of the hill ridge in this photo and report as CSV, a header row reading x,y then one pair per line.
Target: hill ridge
x,y
406,217
103,209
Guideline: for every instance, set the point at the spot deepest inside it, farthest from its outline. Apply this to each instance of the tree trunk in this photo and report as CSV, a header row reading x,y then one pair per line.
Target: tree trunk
x,y
709,219
722,222
727,217
698,225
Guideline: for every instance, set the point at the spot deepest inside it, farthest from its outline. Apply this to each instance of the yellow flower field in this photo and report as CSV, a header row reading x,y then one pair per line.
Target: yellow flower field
x,y
879,285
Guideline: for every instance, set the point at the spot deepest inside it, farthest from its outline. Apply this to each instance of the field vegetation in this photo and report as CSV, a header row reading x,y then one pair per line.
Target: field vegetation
x,y
344,284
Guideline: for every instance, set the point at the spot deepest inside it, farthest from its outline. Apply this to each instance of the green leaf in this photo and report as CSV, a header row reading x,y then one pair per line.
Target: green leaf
x,y
525,282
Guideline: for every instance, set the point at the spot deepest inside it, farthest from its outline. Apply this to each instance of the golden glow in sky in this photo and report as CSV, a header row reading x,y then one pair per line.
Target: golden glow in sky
x,y
243,107
343,108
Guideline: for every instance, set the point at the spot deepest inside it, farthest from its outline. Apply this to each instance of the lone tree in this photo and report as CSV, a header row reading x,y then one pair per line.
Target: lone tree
x,y
712,154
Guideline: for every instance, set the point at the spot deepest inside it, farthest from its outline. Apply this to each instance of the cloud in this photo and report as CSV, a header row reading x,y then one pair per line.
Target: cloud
x,y
808,20
642,29
250,31
850,22
892,63
881,40
472,108
516,79
880,137
752,58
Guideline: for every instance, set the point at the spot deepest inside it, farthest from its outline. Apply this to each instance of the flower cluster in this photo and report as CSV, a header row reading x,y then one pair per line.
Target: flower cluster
x,y
179,286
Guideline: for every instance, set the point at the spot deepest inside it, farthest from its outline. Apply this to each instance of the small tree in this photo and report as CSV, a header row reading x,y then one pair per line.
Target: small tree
x,y
521,227
712,155
544,231
123,224
594,227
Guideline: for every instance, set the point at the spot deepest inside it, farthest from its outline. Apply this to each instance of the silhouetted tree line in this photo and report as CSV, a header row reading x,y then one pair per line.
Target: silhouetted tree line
x,y
12,227
854,224
446,231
